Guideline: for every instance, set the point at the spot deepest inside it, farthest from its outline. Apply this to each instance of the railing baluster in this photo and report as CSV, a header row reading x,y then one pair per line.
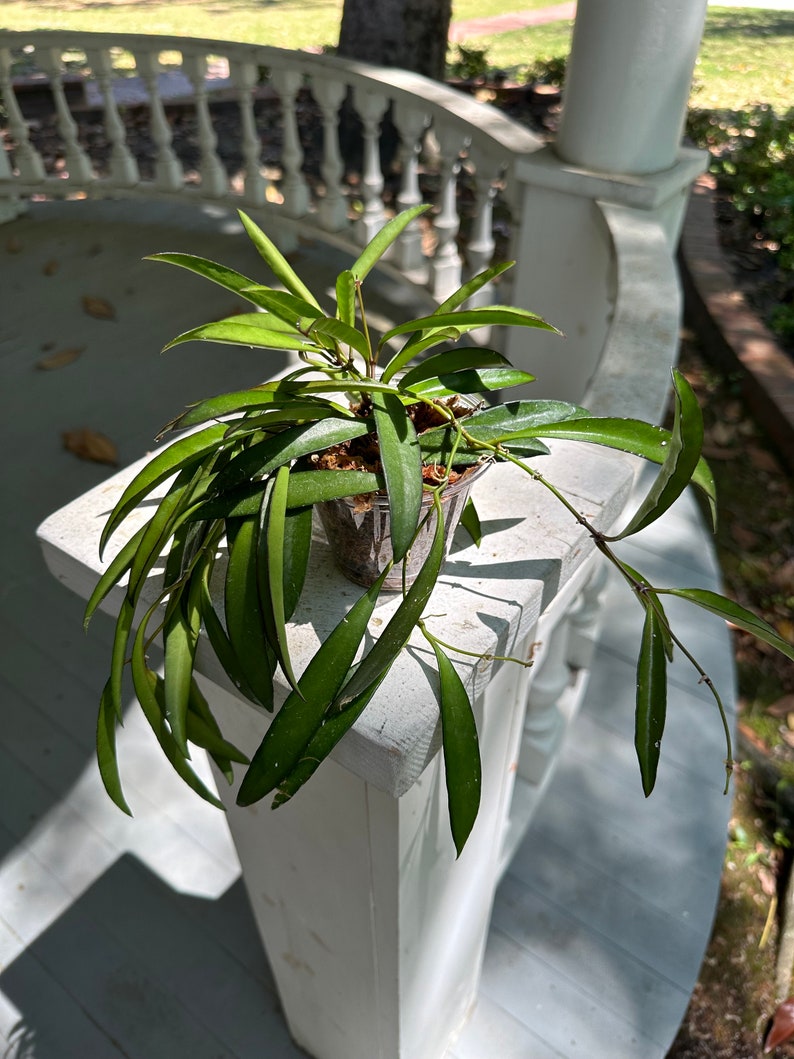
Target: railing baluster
x,y
168,174
213,176
480,248
293,186
370,106
244,77
446,264
123,167
332,210
584,616
78,164
411,123
27,160
544,724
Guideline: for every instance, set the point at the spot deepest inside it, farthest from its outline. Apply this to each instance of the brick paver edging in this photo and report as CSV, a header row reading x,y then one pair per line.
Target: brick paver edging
x,y
732,335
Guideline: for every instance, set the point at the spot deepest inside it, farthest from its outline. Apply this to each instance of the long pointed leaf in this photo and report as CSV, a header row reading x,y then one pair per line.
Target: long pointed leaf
x,y
270,568
297,548
173,458
479,380
326,737
378,246
298,719
236,332
402,468
107,758
634,436
735,613
651,706
346,298
305,488
462,766
470,319
394,637
244,622
276,261
450,361
211,270
683,456
113,573
290,444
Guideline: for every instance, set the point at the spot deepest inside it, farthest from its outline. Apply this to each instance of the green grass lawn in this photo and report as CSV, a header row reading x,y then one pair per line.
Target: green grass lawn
x,y
747,55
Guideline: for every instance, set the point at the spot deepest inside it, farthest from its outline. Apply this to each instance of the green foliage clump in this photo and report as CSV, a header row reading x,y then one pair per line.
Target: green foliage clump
x,y
753,160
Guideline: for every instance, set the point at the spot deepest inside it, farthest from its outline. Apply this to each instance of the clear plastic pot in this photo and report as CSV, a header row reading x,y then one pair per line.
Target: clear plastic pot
x,y
359,532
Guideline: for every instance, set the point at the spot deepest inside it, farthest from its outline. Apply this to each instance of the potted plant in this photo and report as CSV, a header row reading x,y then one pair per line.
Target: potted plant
x,y
392,429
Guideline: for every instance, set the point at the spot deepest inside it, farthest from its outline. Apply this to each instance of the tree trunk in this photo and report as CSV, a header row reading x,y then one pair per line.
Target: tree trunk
x,y
411,34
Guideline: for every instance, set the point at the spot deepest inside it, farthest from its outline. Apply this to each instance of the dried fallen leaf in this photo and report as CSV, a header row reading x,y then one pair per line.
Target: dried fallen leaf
x,y
782,1028
13,245
59,359
51,267
98,308
89,445
783,707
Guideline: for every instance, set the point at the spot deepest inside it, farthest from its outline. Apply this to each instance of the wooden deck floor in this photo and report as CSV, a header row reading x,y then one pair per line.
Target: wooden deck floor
x,y
133,938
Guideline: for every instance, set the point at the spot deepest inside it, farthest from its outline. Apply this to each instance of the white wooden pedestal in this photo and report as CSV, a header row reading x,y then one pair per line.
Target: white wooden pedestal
x,y
374,932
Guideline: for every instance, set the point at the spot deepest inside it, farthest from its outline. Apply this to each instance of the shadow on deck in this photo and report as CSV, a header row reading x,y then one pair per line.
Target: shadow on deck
x,y
134,938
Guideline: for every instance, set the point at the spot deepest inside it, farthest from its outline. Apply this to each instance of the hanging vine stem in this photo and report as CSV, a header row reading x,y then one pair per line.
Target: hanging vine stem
x,y
527,663
640,586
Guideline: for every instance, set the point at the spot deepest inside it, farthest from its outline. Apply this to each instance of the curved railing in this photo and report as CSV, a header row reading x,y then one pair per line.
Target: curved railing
x,y
313,141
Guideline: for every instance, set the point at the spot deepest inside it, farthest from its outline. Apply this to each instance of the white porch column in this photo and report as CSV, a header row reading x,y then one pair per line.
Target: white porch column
x,y
627,84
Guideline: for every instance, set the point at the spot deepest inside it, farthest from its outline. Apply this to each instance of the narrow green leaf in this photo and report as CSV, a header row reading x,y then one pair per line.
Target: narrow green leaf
x,y
175,457
394,637
322,743
346,298
680,464
107,758
651,705
378,246
287,445
417,344
111,576
244,621
270,568
149,692
223,649
402,468
470,319
118,657
238,332
470,521
301,412
305,488
203,730
297,548
211,270
462,765
634,436
451,361
287,307
276,261
299,718
338,331
733,612
180,645
471,381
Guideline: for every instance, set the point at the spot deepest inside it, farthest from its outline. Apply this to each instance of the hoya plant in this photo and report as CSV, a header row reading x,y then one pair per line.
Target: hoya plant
x,y
398,420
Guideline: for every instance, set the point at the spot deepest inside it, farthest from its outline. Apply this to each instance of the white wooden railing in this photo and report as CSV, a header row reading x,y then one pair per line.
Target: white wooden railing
x,y
320,143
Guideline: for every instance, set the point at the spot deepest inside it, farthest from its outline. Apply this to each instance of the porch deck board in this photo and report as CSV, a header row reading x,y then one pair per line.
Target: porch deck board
x,y
134,938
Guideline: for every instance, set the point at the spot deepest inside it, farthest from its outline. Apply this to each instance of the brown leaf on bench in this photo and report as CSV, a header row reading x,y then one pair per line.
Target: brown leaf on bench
x,y
90,445
782,1028
98,308
59,359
